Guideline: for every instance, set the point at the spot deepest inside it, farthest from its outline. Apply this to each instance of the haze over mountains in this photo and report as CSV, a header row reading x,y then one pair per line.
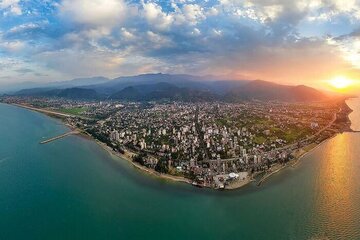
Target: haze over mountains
x,y
77,82
181,87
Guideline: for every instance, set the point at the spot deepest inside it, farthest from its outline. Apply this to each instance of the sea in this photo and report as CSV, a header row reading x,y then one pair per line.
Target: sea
x,y
73,189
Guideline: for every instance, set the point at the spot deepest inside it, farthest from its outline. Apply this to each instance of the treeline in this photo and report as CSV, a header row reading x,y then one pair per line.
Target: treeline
x,y
162,165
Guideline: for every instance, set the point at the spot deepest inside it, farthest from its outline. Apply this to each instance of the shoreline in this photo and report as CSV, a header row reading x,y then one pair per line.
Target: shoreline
x,y
306,151
294,162
127,156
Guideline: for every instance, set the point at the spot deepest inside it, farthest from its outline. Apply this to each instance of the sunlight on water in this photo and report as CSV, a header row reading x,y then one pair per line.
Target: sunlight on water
x,y
337,194
335,185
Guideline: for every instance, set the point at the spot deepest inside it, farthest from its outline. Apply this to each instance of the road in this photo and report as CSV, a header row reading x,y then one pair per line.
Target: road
x,y
290,145
50,112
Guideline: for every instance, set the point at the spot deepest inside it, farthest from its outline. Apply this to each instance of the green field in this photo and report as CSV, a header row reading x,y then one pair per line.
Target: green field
x,y
259,140
295,134
73,111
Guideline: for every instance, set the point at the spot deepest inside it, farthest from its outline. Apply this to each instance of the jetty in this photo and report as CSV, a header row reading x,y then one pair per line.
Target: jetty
x,y
59,137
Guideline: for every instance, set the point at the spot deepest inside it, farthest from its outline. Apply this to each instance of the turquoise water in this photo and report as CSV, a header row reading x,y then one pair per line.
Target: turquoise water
x,y
72,189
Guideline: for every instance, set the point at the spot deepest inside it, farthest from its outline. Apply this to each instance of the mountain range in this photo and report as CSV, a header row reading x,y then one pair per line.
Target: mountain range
x,y
149,87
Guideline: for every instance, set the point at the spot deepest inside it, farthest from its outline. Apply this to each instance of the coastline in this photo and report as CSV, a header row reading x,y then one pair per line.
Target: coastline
x,y
304,151
127,156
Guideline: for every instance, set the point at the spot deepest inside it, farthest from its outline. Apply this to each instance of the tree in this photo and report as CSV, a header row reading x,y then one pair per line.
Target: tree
x,y
139,158
162,166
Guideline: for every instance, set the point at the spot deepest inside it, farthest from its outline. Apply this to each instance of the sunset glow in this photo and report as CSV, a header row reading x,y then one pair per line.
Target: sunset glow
x,y
305,42
341,82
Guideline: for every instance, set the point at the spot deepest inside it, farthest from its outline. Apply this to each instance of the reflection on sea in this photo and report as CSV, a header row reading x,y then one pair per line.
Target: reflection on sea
x,y
335,187
336,191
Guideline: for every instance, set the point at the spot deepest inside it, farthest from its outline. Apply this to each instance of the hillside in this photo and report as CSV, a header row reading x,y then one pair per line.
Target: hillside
x,y
159,91
151,87
267,91
70,93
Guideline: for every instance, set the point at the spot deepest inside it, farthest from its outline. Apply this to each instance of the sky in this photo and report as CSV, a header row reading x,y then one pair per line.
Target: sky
x,y
290,42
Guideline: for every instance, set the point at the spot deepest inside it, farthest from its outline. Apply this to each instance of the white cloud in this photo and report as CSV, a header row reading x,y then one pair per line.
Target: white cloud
x,y
273,11
217,32
328,10
127,34
94,12
195,32
11,6
12,46
156,17
157,40
345,6
24,27
212,11
193,13
127,37
350,48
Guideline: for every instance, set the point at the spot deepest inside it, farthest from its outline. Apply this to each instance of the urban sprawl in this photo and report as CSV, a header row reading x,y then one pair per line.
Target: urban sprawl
x,y
211,144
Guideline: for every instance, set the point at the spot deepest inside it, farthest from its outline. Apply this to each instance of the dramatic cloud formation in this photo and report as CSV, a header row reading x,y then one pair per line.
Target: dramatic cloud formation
x,y
299,42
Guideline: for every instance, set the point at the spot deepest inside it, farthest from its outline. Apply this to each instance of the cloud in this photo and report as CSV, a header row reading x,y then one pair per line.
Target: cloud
x,y
193,13
29,30
94,12
349,46
24,27
11,7
155,16
24,71
268,39
12,46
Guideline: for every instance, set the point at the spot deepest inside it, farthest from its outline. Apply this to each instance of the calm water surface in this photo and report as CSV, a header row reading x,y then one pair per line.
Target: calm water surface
x,y
72,189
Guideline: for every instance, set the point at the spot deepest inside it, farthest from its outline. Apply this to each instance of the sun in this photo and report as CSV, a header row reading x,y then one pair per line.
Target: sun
x,y
340,82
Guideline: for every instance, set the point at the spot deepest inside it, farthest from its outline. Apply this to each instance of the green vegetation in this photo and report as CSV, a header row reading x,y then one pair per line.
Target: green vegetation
x,y
73,111
162,166
259,139
139,158
263,121
164,139
295,134
222,122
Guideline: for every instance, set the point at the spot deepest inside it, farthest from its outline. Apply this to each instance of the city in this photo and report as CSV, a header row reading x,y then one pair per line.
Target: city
x,y
180,119
208,144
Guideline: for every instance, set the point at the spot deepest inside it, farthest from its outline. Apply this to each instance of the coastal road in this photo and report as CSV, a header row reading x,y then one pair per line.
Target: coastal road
x,y
50,112
290,145
43,110
311,137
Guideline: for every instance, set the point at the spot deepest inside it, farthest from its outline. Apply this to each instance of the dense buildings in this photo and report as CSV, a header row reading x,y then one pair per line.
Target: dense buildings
x,y
215,144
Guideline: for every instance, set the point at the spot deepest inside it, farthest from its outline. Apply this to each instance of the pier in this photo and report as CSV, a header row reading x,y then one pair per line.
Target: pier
x,y
59,137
